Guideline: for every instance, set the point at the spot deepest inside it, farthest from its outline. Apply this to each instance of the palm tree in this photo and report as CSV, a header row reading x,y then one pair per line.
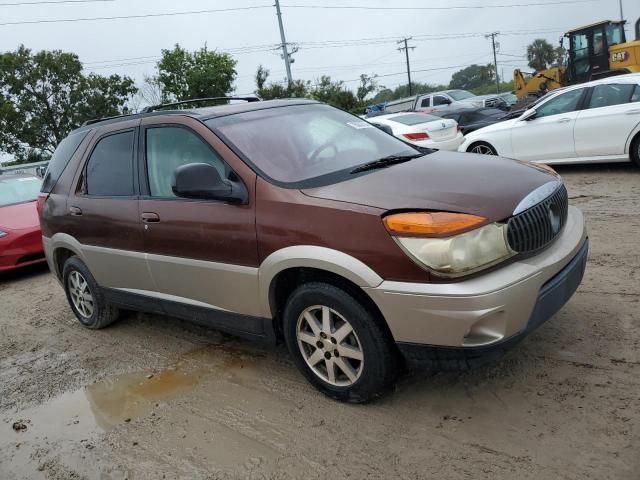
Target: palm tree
x,y
540,54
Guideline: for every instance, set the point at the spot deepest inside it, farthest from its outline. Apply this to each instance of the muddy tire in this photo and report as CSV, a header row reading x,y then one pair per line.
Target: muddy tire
x,y
85,296
339,345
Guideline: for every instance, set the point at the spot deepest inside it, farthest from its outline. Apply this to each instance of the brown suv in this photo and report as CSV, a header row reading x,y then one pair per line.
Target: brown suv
x,y
293,220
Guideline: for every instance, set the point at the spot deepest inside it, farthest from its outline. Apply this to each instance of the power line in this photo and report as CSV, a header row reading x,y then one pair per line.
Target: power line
x,y
147,15
51,2
459,7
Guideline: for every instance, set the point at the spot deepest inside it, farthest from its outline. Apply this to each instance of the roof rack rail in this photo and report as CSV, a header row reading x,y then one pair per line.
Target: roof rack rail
x,y
96,120
153,108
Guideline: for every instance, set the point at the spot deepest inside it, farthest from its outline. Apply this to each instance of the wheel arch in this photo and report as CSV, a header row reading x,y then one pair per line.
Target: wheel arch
x,y
62,247
286,269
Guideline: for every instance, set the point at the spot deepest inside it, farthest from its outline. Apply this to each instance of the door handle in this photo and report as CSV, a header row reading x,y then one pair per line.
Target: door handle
x,y
564,120
75,211
633,112
150,217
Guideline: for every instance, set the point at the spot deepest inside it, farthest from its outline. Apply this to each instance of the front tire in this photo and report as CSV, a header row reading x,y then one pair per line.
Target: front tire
x,y
338,344
635,151
482,148
85,296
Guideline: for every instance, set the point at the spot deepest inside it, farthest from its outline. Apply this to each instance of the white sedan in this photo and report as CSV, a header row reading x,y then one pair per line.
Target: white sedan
x,y
597,121
422,130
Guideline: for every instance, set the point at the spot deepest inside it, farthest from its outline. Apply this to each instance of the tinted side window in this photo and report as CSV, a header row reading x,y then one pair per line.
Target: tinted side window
x,y
564,103
425,102
636,94
611,94
171,147
438,100
60,159
110,168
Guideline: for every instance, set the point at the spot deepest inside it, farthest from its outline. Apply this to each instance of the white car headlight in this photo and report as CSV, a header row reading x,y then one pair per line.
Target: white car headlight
x,y
450,244
3,234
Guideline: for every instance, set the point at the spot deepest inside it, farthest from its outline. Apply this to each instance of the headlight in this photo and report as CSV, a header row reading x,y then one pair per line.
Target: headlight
x,y
448,243
3,234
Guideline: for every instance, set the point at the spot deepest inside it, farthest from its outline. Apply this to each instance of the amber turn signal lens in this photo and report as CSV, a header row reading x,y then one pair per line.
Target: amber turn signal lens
x,y
431,224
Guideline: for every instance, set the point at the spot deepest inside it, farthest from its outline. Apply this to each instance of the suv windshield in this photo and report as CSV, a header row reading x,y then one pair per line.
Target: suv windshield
x,y
15,190
299,143
458,95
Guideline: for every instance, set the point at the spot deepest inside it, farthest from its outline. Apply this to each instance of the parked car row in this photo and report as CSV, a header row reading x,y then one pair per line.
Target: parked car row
x,y
597,121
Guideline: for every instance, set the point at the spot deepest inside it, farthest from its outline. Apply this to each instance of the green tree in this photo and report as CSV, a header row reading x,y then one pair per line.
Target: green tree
x,y
271,90
45,95
473,76
560,55
540,54
368,84
334,93
184,75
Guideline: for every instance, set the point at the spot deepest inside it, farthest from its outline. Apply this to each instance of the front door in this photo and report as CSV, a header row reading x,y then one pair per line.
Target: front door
x,y
103,206
548,135
199,252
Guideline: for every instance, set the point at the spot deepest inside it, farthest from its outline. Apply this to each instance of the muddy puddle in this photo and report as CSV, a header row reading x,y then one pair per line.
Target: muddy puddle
x,y
114,401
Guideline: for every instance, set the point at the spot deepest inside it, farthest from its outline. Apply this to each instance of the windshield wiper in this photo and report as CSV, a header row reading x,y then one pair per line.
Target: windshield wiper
x,y
385,162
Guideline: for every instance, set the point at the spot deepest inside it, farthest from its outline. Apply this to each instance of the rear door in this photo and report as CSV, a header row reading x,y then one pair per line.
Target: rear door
x,y
609,117
549,135
102,210
199,252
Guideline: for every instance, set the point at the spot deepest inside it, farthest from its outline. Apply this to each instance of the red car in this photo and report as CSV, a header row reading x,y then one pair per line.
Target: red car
x,y
20,236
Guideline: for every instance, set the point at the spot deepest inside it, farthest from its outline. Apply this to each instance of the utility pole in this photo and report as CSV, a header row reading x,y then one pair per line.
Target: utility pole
x,y
621,12
285,50
495,58
406,51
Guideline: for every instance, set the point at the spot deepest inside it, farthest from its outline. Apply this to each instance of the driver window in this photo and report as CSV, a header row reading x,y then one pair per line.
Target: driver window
x,y
580,47
171,147
439,100
564,103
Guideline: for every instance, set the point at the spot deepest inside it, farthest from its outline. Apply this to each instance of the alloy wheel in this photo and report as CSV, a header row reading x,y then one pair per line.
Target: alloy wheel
x,y
329,346
482,150
80,294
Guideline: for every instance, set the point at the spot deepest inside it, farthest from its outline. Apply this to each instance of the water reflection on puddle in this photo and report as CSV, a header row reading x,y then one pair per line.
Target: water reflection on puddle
x,y
103,405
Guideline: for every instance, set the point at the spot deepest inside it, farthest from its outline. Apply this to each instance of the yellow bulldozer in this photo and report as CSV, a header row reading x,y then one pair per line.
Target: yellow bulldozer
x,y
595,51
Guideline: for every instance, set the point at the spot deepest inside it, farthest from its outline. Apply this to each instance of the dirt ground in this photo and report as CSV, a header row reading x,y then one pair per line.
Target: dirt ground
x,y
153,397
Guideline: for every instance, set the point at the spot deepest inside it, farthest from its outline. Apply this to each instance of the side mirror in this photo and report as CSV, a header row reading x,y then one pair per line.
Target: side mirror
x,y
384,128
528,115
447,101
202,181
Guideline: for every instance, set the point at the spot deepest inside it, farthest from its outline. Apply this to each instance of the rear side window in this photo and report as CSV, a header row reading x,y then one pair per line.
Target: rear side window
x,y
110,167
425,102
636,95
611,94
60,159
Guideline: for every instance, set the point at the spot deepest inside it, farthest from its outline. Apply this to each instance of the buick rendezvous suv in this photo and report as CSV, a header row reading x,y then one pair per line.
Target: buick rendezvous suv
x,y
293,220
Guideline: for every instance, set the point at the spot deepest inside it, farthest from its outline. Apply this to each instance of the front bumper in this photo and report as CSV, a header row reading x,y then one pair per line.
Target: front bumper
x,y
492,308
21,248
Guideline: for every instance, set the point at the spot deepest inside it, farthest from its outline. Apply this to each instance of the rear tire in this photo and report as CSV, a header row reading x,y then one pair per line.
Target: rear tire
x,y
635,151
482,148
85,296
354,367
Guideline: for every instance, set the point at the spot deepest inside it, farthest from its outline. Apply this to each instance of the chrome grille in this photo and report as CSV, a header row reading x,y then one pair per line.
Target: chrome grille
x,y
538,226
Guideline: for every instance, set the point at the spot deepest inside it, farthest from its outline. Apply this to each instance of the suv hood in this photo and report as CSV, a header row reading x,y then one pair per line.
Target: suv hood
x,y
483,185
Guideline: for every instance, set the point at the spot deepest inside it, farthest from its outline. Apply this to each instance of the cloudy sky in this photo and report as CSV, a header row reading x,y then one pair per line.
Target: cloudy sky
x,y
359,36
